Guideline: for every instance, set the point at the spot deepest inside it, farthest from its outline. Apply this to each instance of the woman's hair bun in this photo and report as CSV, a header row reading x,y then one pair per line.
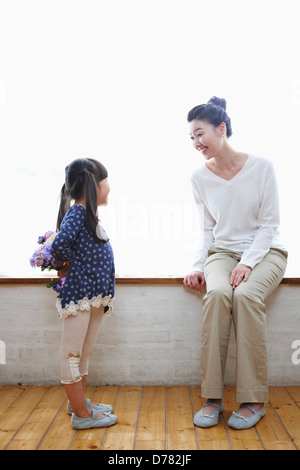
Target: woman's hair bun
x,y
214,112
218,102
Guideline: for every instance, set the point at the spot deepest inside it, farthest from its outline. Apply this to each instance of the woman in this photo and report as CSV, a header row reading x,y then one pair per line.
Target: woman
x,y
241,261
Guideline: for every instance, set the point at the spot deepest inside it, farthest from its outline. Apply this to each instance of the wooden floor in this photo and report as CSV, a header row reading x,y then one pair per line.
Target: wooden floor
x,y
153,418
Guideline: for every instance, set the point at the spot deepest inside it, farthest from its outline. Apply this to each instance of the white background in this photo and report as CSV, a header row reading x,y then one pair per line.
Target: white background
x,y
114,80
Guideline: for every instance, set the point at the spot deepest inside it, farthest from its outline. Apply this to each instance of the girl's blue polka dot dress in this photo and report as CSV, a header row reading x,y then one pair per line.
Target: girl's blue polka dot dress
x,y
91,276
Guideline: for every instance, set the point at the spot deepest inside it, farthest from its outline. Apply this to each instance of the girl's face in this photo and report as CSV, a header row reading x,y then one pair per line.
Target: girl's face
x,y
207,138
102,192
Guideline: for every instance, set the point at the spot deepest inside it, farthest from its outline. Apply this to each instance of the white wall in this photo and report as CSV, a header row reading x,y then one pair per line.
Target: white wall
x,y
152,338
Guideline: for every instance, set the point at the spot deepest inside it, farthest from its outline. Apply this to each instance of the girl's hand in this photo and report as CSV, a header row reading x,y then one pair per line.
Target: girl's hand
x,y
64,270
240,272
195,280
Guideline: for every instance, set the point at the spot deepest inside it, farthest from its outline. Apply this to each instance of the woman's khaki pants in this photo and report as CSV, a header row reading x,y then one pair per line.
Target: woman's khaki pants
x,y
245,306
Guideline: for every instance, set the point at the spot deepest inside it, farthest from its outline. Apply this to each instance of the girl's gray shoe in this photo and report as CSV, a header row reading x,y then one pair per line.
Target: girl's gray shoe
x,y
208,420
94,422
237,421
99,407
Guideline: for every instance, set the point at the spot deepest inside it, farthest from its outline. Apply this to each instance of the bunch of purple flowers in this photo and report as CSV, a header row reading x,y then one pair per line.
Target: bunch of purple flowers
x,y
42,258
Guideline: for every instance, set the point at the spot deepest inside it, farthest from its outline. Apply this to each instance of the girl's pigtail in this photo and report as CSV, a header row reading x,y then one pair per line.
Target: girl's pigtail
x,y
63,207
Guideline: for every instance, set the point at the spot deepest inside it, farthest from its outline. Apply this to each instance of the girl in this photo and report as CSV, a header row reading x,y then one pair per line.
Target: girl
x,y
89,286
241,261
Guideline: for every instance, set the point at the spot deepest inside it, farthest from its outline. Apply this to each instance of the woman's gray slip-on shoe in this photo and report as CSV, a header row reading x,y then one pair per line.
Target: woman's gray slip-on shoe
x,y
94,422
100,407
208,420
237,421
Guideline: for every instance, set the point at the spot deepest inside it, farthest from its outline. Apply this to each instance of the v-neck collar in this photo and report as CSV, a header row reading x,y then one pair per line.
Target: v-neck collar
x,y
223,180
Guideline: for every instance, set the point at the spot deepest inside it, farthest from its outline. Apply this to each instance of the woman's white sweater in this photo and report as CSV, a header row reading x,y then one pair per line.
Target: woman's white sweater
x,y
241,214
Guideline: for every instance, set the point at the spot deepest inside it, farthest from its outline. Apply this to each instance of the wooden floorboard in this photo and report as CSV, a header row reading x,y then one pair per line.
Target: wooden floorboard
x,y
149,418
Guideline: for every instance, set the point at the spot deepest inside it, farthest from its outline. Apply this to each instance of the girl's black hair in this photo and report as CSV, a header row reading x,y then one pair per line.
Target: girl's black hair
x,y
213,112
81,177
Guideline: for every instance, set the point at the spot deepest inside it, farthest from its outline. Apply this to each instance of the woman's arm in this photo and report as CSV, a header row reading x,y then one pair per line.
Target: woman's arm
x,y
207,224
196,280
268,221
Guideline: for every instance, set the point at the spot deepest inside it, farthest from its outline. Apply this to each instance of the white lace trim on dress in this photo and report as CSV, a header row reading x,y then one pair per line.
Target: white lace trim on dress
x,y
84,304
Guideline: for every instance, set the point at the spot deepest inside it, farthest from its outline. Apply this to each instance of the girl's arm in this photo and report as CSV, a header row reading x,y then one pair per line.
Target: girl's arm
x,y
63,245
63,272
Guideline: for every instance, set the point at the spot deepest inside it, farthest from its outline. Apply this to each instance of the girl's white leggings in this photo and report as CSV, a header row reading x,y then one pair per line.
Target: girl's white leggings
x,y
78,338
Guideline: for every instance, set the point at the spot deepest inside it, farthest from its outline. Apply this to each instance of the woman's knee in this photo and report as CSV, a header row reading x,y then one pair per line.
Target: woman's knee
x,y
219,293
246,293
248,306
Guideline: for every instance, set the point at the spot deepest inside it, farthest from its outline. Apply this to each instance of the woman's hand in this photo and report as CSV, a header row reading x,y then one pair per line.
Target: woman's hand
x,y
195,280
64,270
240,272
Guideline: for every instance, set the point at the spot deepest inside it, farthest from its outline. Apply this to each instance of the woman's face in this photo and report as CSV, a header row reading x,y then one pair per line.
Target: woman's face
x,y
206,137
102,192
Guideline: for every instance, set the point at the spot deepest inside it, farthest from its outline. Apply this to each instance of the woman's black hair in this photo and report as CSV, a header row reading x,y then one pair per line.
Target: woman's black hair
x,y
213,112
81,177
